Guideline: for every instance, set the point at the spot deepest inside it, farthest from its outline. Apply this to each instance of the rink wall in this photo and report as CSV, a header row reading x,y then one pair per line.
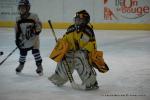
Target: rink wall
x,y
105,14
98,26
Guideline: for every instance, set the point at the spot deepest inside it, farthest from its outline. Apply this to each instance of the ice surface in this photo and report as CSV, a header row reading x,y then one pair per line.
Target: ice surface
x,y
127,54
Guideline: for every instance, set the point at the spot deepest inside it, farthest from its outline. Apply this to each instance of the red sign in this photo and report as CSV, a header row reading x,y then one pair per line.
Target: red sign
x,y
128,9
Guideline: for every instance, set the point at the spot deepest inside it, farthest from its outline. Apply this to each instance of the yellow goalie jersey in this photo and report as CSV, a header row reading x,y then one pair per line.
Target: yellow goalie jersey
x,y
74,39
84,39
80,39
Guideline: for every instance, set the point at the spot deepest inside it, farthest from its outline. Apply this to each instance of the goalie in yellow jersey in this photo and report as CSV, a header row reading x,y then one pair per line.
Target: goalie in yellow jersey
x,y
78,45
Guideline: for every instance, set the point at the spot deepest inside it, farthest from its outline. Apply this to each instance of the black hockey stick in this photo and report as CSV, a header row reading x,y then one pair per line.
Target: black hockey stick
x,y
68,72
9,55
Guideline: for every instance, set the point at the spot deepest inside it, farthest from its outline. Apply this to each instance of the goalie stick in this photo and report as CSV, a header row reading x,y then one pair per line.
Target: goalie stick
x,y
68,72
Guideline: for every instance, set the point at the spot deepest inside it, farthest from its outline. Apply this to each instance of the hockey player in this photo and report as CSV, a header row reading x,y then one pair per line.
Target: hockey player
x,y
28,28
79,41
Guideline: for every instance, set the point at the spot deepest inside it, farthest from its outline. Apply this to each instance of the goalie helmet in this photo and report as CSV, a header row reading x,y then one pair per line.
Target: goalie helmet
x,y
82,18
24,7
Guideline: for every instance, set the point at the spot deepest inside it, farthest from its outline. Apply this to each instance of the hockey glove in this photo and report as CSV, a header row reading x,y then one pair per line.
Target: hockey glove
x,y
97,60
19,43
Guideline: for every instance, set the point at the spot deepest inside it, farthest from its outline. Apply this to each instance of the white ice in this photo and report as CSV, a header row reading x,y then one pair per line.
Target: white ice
x,y
127,54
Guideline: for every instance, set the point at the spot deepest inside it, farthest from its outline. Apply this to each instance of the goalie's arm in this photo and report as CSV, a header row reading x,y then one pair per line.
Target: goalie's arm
x,y
91,44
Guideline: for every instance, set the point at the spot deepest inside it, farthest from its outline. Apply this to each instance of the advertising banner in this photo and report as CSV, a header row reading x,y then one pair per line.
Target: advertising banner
x,y
110,12
8,10
127,11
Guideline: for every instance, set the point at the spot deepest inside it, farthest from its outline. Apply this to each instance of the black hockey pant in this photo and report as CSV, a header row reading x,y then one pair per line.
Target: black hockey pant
x,y
35,52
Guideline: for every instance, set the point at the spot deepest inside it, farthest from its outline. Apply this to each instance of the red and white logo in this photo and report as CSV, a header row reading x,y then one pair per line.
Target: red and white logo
x,y
132,9
108,13
128,9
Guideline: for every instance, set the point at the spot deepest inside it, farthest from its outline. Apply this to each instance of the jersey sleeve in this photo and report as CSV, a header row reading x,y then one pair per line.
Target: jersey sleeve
x,y
17,33
38,24
69,30
91,45
68,37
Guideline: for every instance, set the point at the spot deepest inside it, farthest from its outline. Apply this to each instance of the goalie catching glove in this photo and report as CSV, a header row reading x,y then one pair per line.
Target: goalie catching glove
x,y
59,51
96,58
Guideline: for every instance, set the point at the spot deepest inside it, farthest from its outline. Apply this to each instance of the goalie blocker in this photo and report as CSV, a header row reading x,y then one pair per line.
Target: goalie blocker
x,y
59,51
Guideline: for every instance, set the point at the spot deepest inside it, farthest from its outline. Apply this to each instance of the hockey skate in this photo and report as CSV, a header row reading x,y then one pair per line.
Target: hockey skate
x,y
92,87
39,70
19,68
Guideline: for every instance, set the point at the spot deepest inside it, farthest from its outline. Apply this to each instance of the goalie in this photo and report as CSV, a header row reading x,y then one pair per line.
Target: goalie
x,y
78,45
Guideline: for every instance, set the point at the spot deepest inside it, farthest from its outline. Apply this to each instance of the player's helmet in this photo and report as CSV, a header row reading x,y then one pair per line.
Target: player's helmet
x,y
82,17
23,6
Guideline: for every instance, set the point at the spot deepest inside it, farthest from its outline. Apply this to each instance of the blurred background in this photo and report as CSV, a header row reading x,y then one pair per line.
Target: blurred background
x,y
122,30
105,14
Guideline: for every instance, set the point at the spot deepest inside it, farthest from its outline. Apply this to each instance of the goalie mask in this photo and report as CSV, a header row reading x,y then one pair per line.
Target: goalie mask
x,y
82,18
24,7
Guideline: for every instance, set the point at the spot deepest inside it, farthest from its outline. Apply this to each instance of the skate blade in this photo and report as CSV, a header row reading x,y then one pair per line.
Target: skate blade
x,y
40,74
18,73
93,88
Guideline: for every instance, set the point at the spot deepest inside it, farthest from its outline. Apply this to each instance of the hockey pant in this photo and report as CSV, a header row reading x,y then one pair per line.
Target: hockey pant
x,y
78,61
35,52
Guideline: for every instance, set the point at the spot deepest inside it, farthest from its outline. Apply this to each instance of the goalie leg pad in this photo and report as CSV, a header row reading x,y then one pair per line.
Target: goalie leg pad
x,y
57,79
84,69
60,76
